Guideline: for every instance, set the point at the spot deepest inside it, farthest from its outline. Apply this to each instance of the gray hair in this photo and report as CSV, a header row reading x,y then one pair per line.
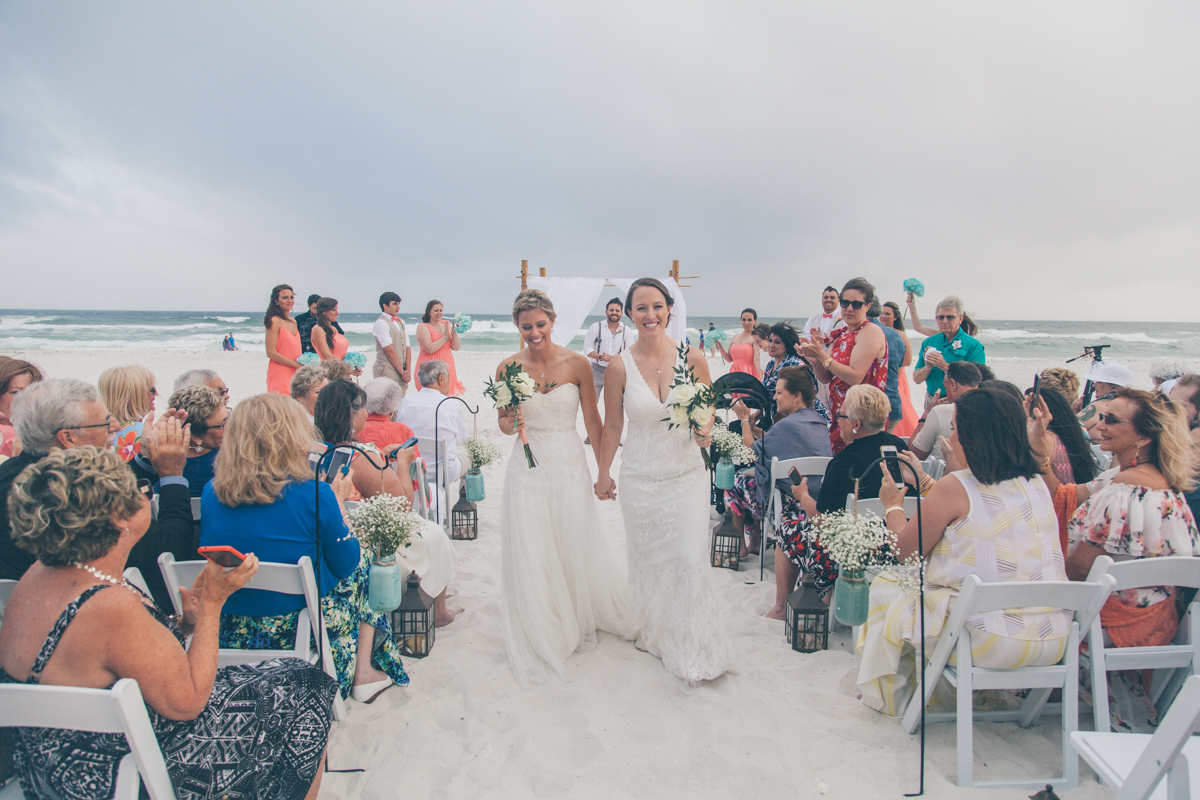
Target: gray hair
x,y
430,371
951,301
46,408
869,406
1165,369
195,377
304,380
383,396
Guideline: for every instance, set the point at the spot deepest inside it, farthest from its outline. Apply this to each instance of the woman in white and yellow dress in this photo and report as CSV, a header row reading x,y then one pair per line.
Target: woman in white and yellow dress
x,y
995,519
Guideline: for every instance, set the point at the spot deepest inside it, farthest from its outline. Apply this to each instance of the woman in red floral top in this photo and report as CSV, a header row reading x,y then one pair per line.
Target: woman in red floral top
x,y
857,353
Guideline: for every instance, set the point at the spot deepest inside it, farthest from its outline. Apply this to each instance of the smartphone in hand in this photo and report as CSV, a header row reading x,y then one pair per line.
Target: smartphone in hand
x,y
339,463
222,555
888,453
1036,395
796,477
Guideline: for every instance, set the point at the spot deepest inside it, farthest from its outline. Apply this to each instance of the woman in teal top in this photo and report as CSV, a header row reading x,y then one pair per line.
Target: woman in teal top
x,y
951,344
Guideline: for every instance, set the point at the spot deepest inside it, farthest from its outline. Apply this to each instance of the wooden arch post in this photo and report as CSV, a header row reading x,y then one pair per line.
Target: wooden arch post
x,y
524,276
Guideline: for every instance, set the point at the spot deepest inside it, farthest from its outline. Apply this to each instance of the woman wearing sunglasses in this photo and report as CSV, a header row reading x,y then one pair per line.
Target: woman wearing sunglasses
x,y
951,343
857,353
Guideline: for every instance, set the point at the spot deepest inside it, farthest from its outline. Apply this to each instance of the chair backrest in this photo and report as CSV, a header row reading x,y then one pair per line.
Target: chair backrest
x,y
116,710
271,577
440,504
934,467
6,590
134,576
1162,571
428,448
196,509
1166,744
1082,598
810,465
875,505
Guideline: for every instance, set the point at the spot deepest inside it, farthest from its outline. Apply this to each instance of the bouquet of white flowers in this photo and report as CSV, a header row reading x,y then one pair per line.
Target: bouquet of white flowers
x,y
383,524
481,452
689,403
730,445
514,386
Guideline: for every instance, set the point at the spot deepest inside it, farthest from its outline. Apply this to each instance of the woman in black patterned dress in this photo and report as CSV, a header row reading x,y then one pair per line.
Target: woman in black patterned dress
x,y
253,731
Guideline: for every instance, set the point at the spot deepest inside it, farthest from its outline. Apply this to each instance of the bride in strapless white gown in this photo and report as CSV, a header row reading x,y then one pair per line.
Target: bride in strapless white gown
x,y
673,609
560,581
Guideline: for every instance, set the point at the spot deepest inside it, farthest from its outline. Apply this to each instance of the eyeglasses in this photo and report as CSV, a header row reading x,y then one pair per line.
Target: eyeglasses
x,y
224,391
847,303
842,416
107,422
154,391
946,317
1109,419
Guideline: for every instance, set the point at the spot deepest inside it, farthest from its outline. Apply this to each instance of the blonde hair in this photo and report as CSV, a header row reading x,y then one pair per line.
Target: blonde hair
x,y
61,507
336,370
1164,422
1061,380
869,406
200,403
266,447
126,392
533,300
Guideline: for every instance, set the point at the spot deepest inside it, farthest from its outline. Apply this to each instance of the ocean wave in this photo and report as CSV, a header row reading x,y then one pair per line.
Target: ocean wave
x,y
999,334
231,319
72,327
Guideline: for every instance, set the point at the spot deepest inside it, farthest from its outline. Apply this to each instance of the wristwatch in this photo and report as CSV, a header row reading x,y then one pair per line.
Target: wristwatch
x,y
825,364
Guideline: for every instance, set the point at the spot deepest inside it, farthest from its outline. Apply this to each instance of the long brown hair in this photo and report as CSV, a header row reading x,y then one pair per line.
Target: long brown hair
x,y
12,367
273,309
897,321
429,307
325,305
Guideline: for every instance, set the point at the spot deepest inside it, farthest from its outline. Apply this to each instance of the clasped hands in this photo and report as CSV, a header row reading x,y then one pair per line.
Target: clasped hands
x,y
813,348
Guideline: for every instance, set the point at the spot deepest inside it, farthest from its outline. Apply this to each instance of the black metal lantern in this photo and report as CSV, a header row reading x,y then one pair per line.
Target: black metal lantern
x,y
727,544
413,630
464,517
806,623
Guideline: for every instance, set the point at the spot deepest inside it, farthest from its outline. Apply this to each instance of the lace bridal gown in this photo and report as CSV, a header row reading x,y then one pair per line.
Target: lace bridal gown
x,y
663,490
559,579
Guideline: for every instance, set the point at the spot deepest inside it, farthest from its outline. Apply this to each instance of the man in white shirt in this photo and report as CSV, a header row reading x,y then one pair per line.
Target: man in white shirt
x,y
830,314
961,377
605,341
392,353
417,412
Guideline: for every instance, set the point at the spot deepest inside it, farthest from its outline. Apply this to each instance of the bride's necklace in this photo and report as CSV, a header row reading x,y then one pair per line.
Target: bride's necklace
x,y
657,369
104,576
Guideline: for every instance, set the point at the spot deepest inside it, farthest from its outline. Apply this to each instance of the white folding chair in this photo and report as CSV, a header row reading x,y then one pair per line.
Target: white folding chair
x,y
875,505
1183,654
808,467
195,508
295,578
1104,459
6,589
1082,598
1134,764
934,467
134,576
440,480
116,710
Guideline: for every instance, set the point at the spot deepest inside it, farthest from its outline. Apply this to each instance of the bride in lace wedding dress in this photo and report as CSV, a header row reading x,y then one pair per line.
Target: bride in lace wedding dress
x,y
559,579
673,608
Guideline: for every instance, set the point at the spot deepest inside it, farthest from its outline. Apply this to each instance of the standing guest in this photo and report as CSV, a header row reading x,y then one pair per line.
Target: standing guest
x,y
761,336
712,349
1061,380
1106,377
741,355
857,352
781,347
250,731
206,414
392,353
938,422
201,377
264,500
896,345
1186,394
306,386
383,401
283,339
15,375
606,340
329,343
824,322
432,330
420,413
306,321
128,394
227,343
890,316
951,343
968,324
65,413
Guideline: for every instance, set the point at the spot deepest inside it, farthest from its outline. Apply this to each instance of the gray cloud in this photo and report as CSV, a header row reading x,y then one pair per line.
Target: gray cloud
x,y
1038,160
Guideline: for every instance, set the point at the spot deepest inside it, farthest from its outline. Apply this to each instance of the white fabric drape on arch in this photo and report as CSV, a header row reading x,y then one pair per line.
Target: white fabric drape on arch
x,y
573,299
677,327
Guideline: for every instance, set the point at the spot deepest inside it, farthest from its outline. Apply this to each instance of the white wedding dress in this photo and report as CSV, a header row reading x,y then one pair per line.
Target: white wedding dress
x,y
664,495
559,579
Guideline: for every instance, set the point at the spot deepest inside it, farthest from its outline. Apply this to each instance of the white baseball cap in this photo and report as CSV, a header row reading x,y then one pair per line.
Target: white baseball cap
x,y
1113,372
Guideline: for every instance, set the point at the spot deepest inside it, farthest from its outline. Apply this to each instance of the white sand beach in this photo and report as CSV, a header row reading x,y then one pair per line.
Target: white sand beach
x,y
780,725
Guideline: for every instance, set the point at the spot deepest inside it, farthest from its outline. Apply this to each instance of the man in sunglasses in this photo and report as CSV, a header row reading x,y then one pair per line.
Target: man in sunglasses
x,y
951,343
64,413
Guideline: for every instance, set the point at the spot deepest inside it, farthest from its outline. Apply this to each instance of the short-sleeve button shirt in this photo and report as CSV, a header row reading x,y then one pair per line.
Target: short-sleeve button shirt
x,y
961,348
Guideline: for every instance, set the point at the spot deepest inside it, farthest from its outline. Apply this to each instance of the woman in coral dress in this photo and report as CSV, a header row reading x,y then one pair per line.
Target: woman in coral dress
x,y
438,340
890,315
283,340
742,355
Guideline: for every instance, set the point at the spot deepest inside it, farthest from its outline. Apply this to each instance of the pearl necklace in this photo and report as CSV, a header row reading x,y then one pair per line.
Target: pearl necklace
x,y
104,576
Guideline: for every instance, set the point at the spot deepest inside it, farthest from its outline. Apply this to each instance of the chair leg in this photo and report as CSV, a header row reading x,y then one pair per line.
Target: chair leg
x,y
1101,721
1070,713
966,715
1178,781
1032,707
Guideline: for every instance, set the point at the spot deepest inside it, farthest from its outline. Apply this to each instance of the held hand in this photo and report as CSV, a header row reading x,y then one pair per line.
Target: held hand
x,y
605,488
740,410
955,460
403,460
911,300
703,436
1038,426
520,425
342,485
800,490
167,448
888,493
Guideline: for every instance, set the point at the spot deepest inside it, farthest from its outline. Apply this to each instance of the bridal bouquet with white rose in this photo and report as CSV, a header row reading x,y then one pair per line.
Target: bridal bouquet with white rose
x,y
514,386
689,403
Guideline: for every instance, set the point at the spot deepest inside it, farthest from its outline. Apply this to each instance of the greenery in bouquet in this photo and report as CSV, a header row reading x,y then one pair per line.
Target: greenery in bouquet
x,y
514,387
481,452
689,403
383,524
730,445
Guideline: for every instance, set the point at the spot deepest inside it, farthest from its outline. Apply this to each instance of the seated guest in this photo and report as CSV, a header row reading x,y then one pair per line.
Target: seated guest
x,y
781,347
206,414
1184,394
1164,372
307,384
1072,460
1061,380
340,418
383,401
993,505
961,377
798,432
337,370
864,416
64,413
15,375
418,414
263,501
71,621
1137,509
128,393
1106,378
201,377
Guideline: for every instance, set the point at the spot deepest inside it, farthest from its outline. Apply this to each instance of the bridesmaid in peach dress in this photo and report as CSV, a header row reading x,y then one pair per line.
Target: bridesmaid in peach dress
x,y
283,340
890,315
742,355
438,340
329,344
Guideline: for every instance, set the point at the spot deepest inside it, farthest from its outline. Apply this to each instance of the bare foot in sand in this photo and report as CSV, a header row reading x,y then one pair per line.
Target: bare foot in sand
x,y
776,612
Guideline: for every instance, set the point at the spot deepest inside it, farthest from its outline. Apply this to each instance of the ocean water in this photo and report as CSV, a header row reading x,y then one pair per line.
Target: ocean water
x,y
203,330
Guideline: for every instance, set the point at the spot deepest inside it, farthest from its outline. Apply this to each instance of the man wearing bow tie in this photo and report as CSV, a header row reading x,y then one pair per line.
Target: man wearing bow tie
x,y
830,314
392,353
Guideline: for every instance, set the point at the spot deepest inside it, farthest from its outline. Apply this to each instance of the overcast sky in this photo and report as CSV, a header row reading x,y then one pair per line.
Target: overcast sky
x,y
1038,159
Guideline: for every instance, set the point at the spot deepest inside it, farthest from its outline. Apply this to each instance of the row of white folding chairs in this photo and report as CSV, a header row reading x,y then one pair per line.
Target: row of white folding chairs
x,y
195,508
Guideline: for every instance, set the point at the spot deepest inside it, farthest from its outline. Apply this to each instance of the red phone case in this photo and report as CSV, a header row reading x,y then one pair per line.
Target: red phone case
x,y
222,554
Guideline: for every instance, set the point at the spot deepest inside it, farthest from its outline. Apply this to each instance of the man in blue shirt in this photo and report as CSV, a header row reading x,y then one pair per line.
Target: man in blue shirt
x,y
896,351
951,344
